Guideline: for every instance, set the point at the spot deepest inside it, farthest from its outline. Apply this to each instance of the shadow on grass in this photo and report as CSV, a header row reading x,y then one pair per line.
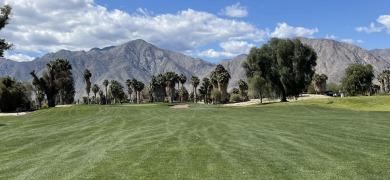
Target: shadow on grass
x,y
2,125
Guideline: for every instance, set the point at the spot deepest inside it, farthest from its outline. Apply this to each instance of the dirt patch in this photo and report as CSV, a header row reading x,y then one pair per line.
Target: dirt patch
x,y
180,106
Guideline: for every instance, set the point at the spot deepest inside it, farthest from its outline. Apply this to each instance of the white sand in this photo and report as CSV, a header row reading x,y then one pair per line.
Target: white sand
x,y
265,100
13,114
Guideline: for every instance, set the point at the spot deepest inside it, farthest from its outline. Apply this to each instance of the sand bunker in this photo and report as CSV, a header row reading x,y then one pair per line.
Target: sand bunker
x,y
265,100
180,106
13,114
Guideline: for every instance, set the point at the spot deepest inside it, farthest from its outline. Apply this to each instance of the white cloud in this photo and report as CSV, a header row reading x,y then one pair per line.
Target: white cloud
x,y
211,53
235,11
18,57
385,20
352,41
236,47
372,28
42,26
283,30
230,49
330,36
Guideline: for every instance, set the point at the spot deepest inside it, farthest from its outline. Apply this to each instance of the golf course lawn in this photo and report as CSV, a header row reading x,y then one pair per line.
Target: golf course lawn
x,y
340,138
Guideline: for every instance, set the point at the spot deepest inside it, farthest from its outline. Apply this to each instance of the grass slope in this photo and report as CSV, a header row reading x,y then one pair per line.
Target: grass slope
x,y
301,140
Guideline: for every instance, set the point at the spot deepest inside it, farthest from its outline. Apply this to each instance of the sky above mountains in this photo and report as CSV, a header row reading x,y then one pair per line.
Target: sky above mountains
x,y
209,30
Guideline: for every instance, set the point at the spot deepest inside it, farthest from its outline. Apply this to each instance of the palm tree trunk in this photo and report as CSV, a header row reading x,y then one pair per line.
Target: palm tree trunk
x,y
194,95
106,96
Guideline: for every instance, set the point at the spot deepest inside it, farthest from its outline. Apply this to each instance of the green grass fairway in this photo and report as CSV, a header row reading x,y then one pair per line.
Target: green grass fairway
x,y
300,140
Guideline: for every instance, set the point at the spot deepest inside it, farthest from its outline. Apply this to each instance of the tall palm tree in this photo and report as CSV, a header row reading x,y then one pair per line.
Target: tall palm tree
x,y
95,90
220,78
140,87
105,83
129,84
153,86
384,81
161,87
182,80
87,78
170,80
206,86
194,82
319,81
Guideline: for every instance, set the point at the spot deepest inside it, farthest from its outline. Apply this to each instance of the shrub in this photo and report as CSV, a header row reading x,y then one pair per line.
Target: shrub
x,y
216,96
235,98
45,106
310,89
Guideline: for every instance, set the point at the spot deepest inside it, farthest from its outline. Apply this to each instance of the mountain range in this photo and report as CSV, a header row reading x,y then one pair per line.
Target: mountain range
x,y
139,59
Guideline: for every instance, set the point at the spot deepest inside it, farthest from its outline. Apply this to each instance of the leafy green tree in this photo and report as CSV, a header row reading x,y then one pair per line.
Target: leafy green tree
x,y
243,87
95,90
257,86
58,77
5,13
170,80
13,95
194,82
87,79
285,63
105,84
319,81
358,79
116,90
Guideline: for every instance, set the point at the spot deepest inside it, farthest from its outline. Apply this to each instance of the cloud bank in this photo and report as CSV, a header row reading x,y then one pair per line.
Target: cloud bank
x,y
42,26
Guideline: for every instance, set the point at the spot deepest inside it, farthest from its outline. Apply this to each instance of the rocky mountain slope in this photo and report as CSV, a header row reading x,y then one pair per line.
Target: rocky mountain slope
x,y
334,57
139,59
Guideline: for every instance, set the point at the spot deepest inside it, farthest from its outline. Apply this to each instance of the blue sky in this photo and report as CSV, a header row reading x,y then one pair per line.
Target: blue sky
x,y
211,30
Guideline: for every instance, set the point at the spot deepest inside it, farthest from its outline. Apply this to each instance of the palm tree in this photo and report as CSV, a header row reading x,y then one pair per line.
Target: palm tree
x,y
222,77
206,86
138,87
161,87
170,81
95,90
319,81
87,78
129,84
194,82
384,81
105,83
182,80
153,86
243,86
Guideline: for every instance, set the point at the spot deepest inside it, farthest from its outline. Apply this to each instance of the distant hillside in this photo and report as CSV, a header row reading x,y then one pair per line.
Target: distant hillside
x,y
334,57
139,59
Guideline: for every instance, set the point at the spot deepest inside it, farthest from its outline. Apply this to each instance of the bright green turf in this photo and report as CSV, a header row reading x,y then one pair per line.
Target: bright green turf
x,y
301,140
